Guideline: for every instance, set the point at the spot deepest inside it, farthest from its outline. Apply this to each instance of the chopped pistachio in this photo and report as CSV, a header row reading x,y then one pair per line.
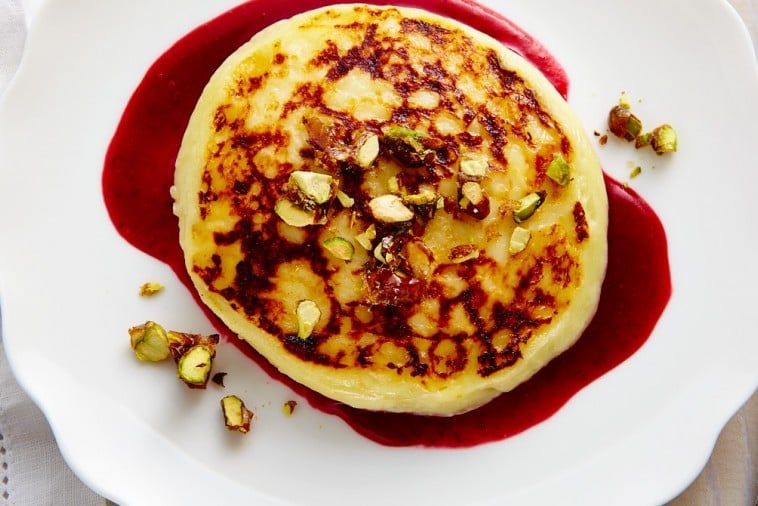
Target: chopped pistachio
x,y
378,253
622,123
393,184
383,251
419,257
365,238
390,209
387,243
368,151
474,167
179,343
150,288
236,415
294,215
194,367
137,333
472,192
643,140
559,170
624,101
406,145
371,232
404,134
519,239
340,248
314,185
663,139
346,200
463,253
308,314
441,203
423,197
527,205
149,342
635,172
289,407
364,241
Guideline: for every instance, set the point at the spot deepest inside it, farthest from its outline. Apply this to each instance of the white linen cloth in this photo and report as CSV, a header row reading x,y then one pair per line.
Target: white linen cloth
x,y
33,472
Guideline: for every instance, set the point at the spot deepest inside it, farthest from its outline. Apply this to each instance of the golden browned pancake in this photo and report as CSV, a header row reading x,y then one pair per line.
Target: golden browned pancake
x,y
392,208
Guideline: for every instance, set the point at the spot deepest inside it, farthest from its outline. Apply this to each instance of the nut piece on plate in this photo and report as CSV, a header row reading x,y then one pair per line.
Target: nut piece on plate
x,y
194,367
193,353
150,288
236,416
289,407
622,123
150,342
663,139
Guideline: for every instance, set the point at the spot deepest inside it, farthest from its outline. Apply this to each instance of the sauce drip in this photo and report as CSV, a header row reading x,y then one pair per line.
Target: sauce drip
x,y
139,169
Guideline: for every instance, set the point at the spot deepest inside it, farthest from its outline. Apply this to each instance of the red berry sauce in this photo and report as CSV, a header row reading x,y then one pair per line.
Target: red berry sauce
x,y
139,170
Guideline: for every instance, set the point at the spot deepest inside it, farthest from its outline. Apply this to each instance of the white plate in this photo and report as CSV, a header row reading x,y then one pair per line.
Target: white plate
x,y
638,435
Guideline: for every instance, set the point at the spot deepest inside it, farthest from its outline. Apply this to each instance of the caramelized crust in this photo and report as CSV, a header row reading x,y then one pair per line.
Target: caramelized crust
x,y
443,314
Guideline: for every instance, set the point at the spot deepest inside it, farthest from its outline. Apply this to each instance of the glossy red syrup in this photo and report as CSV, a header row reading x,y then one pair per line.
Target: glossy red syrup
x,y
139,168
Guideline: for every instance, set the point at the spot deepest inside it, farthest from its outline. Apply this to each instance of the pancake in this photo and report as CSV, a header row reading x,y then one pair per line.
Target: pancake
x,y
392,208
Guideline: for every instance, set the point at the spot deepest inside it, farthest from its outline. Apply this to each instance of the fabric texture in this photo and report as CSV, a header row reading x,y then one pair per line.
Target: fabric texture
x,y
33,471
12,32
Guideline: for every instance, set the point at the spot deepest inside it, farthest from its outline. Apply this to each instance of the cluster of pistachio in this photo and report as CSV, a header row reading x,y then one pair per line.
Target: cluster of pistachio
x,y
193,354
624,124
310,193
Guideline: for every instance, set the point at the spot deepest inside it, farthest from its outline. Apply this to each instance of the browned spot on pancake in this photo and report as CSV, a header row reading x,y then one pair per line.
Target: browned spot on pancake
x,y
582,231
437,34
367,57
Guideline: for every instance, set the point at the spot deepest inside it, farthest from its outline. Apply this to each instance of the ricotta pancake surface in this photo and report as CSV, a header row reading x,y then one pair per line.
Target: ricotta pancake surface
x,y
424,191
